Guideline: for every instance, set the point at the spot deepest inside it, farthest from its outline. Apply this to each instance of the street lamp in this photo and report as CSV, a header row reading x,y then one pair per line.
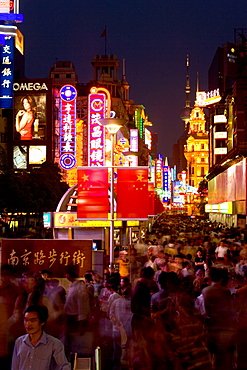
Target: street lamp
x,y
112,125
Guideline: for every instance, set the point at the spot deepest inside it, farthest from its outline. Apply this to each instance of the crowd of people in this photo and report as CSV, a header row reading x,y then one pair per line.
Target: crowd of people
x,y
177,300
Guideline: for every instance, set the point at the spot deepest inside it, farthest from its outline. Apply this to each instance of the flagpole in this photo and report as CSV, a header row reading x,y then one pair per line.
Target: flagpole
x,y
112,206
112,125
105,40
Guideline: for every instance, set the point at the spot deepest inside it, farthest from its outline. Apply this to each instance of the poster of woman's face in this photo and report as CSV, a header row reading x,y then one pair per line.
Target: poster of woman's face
x,y
30,117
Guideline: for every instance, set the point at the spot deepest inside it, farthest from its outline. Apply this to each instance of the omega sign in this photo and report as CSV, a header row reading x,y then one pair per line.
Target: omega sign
x,y
29,86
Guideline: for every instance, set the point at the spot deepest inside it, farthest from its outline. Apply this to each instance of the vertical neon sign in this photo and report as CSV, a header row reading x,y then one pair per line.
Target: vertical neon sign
x,y
7,73
68,95
96,142
159,173
165,183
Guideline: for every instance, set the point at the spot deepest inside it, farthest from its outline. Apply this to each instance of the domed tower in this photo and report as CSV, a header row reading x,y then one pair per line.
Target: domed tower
x,y
185,112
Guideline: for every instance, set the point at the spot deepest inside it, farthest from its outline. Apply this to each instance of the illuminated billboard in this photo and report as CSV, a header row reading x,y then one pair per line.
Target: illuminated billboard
x,y
96,132
148,139
6,6
37,154
20,157
9,11
134,140
68,96
30,118
32,127
207,98
19,41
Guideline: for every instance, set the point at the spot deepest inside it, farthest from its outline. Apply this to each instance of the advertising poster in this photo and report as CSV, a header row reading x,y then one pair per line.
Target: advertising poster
x,y
30,117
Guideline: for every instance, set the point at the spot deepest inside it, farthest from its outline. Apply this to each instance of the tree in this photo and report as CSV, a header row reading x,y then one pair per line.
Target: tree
x,y
36,191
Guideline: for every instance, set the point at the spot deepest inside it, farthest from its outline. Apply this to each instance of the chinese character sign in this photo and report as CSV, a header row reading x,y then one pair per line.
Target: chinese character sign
x,y
159,173
134,140
165,183
7,73
54,255
96,111
68,95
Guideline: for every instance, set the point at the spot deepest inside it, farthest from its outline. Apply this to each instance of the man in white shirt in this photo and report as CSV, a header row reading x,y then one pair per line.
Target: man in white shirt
x,y
36,349
221,250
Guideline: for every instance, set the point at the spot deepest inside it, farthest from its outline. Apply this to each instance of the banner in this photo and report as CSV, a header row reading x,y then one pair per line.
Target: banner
x,y
158,205
93,202
132,193
151,199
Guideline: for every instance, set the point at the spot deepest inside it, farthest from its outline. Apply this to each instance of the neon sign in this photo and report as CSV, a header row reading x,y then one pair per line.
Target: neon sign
x,y
9,11
134,140
165,183
96,146
6,6
207,98
159,174
7,73
68,95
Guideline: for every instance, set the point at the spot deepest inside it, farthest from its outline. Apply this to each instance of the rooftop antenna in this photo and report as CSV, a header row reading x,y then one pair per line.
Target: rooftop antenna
x,y
187,87
104,35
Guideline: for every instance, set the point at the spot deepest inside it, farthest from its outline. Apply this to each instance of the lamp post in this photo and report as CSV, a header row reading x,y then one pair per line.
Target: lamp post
x,y
112,125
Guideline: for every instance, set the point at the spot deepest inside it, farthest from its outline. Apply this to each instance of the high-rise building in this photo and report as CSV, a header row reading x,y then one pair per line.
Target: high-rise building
x,y
228,138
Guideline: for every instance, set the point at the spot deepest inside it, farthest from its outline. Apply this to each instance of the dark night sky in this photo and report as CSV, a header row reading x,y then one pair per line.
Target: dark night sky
x,y
152,35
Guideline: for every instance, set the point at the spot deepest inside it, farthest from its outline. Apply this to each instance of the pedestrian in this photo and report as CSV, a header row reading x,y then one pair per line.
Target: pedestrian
x,y
77,309
36,349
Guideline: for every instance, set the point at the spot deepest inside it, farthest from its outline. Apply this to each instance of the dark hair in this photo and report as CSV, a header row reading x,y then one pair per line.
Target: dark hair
x,y
127,292
112,283
45,272
30,101
88,277
125,279
42,312
217,274
147,272
72,271
162,279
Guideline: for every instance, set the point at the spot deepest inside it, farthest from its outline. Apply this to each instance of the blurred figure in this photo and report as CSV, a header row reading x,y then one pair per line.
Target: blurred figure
x,y
121,315
141,320
88,278
241,296
124,284
220,318
57,298
77,308
124,264
9,291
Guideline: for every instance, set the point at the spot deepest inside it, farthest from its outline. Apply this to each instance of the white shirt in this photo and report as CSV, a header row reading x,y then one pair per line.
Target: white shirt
x,y
221,251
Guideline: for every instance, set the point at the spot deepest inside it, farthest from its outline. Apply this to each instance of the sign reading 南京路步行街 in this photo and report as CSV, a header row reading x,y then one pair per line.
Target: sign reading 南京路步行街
x,y
51,254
